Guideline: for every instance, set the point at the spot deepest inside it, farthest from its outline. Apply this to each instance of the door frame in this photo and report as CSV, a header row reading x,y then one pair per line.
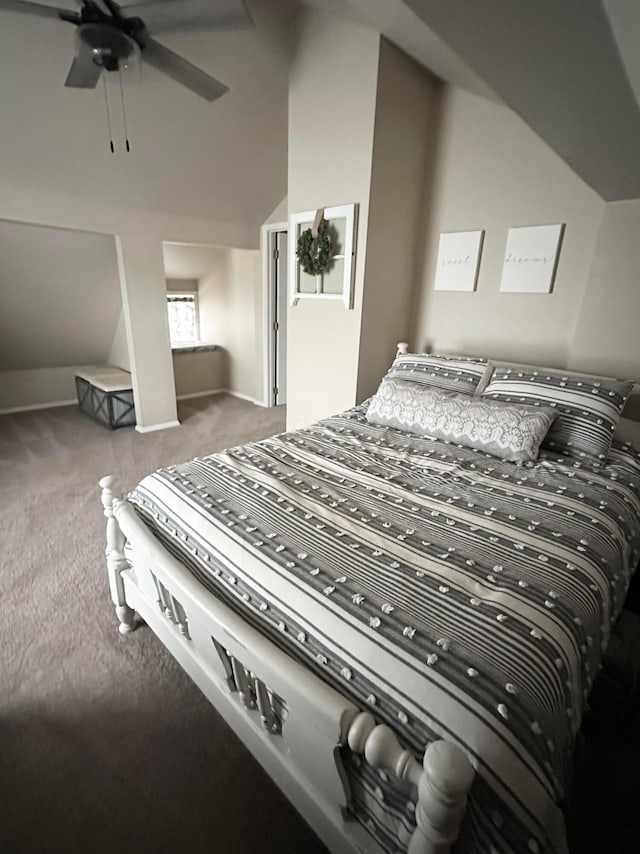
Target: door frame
x,y
267,245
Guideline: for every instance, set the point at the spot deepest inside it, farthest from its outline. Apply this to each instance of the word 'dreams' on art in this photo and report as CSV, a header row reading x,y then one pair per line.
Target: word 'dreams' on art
x,y
458,261
530,259
519,259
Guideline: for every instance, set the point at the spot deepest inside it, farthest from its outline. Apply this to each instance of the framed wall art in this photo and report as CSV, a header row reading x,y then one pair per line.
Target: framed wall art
x,y
531,259
458,261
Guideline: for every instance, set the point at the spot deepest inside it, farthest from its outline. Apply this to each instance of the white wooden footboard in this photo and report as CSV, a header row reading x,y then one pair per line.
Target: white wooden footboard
x,y
292,722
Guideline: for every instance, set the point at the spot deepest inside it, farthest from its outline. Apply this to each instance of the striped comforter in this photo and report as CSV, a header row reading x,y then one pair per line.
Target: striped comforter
x,y
456,595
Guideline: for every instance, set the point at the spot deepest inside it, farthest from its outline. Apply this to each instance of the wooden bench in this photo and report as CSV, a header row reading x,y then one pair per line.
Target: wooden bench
x,y
105,394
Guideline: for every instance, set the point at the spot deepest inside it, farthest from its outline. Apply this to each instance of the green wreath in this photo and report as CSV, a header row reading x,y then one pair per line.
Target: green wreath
x,y
315,253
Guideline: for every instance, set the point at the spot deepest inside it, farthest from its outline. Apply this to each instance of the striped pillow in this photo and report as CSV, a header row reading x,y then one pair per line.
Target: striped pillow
x,y
588,408
449,373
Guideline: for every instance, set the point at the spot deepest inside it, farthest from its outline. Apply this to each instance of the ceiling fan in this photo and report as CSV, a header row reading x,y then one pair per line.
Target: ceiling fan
x,y
109,37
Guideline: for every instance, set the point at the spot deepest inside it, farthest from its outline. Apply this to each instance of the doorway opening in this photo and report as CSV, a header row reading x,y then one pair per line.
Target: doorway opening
x,y
275,267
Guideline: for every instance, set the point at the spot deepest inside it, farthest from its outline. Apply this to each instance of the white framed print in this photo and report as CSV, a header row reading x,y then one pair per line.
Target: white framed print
x,y
531,259
458,261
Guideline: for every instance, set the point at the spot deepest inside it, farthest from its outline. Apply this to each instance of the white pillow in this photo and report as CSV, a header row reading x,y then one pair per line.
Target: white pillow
x,y
508,431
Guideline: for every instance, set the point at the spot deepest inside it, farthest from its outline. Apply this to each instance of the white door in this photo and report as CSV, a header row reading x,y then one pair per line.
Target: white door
x,y
280,303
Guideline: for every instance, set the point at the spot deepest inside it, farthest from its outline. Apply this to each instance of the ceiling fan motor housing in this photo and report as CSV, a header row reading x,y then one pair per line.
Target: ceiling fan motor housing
x,y
109,46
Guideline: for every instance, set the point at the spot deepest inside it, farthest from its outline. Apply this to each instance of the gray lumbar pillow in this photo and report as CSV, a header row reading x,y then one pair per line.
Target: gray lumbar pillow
x,y
509,431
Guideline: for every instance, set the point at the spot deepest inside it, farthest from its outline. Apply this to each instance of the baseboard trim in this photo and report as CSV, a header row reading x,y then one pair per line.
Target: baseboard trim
x,y
33,406
152,427
201,393
54,403
244,397
220,391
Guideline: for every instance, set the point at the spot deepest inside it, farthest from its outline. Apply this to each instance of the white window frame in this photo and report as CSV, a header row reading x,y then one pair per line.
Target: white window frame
x,y
193,294
296,221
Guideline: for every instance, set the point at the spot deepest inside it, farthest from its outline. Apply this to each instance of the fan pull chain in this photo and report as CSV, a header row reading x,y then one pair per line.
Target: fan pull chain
x,y
124,112
106,103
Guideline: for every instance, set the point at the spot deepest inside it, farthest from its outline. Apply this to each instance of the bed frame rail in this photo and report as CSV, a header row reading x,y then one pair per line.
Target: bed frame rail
x,y
293,722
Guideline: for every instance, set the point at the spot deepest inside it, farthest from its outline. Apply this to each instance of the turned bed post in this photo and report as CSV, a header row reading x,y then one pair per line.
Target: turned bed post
x,y
443,780
116,561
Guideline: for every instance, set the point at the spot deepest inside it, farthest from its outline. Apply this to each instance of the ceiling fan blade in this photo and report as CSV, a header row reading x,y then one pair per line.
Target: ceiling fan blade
x,y
113,8
182,71
32,8
180,15
83,74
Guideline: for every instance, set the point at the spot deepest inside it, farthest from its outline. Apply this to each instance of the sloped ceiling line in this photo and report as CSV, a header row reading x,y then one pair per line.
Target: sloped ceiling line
x,y
569,68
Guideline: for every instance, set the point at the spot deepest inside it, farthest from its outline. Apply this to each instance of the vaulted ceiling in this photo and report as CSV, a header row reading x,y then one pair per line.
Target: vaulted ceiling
x,y
569,68
223,161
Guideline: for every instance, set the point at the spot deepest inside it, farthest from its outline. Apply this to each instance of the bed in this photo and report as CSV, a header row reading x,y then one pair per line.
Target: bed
x,y
350,594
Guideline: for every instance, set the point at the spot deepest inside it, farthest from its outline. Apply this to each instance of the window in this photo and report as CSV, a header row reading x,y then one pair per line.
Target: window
x,y
183,318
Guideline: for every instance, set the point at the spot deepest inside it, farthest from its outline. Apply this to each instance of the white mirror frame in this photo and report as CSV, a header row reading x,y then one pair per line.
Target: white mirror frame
x,y
296,220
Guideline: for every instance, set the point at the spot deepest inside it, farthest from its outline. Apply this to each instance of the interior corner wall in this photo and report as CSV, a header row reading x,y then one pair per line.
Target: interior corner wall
x,y
279,213
606,337
492,172
214,294
230,301
332,98
243,333
119,354
406,124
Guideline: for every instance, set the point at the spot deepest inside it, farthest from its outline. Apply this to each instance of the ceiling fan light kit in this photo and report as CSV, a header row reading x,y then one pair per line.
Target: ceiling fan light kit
x,y
109,48
111,39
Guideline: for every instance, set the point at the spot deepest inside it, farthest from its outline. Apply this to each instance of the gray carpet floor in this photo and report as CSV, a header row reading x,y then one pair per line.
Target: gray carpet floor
x,y
105,745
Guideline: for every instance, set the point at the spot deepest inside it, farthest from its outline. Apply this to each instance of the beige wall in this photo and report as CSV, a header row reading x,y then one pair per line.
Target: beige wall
x,y
375,151
242,337
332,100
404,135
59,308
59,296
182,285
36,388
119,353
279,213
493,172
213,295
440,159
606,336
197,373
230,306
